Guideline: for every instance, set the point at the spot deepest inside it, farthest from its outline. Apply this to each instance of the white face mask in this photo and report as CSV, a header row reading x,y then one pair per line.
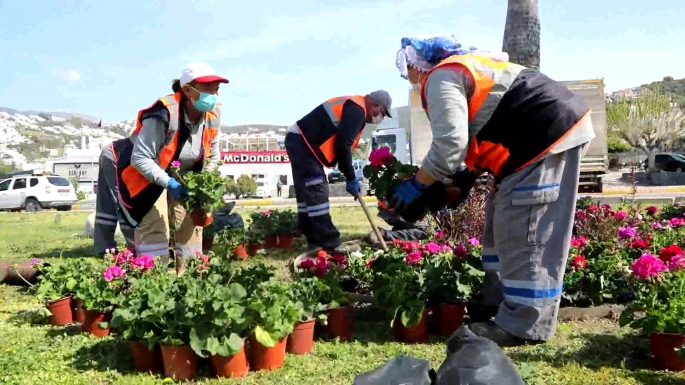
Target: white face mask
x,y
377,119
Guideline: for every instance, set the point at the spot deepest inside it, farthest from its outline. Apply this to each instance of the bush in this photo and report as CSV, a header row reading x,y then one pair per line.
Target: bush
x,y
246,185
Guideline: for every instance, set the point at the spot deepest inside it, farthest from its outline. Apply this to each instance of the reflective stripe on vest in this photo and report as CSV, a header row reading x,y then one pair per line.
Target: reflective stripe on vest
x,y
133,180
334,108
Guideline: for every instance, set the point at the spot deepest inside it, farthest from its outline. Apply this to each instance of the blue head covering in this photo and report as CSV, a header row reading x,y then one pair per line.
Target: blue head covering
x,y
435,49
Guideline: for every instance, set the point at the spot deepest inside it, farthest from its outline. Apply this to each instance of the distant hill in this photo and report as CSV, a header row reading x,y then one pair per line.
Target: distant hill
x,y
670,86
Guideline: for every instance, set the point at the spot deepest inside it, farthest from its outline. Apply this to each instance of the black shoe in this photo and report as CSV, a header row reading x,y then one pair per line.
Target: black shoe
x,y
501,337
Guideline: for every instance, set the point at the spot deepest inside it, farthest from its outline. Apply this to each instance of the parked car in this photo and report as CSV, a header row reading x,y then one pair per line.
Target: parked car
x,y
264,189
336,176
34,193
667,161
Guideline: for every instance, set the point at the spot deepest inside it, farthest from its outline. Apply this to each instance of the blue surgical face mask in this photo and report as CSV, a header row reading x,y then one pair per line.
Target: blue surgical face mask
x,y
206,102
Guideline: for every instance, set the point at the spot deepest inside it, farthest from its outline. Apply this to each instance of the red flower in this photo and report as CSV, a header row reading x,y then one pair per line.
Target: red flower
x,y
414,257
579,262
397,242
461,251
321,267
339,259
578,241
592,208
581,215
669,252
651,210
410,245
307,264
370,262
639,244
321,254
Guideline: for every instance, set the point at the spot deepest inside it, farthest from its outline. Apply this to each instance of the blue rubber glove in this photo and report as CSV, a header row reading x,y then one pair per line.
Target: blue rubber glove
x,y
353,187
177,191
407,192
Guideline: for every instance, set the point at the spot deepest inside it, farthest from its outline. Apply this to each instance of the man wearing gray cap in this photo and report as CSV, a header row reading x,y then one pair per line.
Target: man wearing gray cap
x,y
323,138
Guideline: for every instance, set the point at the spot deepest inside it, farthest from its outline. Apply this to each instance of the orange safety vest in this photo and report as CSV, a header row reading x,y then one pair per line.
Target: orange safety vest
x,y
136,193
490,150
321,139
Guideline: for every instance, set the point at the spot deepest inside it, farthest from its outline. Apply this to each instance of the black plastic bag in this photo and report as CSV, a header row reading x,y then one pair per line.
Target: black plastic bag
x,y
401,370
475,360
223,219
470,360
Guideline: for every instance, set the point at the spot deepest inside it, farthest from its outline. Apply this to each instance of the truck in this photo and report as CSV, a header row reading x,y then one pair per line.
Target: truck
x,y
411,145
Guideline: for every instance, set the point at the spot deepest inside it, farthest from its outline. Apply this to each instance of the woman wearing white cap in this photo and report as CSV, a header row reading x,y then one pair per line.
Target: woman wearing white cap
x,y
181,128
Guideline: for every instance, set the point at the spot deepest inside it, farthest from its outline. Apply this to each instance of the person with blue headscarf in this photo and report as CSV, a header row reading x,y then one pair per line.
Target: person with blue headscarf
x,y
529,132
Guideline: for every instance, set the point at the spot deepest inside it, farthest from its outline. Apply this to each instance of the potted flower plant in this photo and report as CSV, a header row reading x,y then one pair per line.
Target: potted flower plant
x,y
220,325
399,287
659,308
232,242
206,190
99,292
132,320
451,276
311,292
55,286
286,226
328,269
274,315
253,238
266,222
83,268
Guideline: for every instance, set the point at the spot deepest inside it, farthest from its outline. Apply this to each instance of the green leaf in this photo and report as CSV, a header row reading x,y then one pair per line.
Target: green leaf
x,y
264,337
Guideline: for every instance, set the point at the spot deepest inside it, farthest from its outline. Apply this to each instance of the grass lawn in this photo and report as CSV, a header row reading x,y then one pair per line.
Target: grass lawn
x,y
590,352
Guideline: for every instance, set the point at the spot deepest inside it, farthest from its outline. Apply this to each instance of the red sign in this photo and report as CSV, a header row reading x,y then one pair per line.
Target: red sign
x,y
245,157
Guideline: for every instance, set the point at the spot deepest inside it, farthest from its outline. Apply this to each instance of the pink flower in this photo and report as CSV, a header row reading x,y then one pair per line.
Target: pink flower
x,y
606,206
34,262
321,267
626,232
113,272
620,215
414,257
474,242
676,263
176,164
578,241
144,262
461,251
266,213
651,210
648,266
657,226
432,247
581,215
439,234
410,245
676,222
380,156
204,258
307,264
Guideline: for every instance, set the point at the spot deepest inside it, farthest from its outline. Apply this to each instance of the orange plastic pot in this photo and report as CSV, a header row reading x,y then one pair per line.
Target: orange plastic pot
x,y
285,241
410,334
61,311
91,323
340,323
264,358
78,312
448,318
240,252
144,359
180,362
234,366
301,340
664,357
271,241
201,218
252,248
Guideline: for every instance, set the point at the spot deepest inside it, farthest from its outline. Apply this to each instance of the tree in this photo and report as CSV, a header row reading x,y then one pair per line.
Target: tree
x,y
522,33
246,185
650,122
615,144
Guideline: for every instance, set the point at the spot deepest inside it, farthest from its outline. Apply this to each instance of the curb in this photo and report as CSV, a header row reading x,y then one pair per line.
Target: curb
x,y
646,190
76,207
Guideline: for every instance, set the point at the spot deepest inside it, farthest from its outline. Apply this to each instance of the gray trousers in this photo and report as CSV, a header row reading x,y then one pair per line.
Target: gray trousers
x,y
401,229
107,214
529,224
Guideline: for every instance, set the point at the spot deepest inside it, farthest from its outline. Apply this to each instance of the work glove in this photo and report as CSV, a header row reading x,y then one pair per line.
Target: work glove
x,y
353,187
177,191
407,192
464,181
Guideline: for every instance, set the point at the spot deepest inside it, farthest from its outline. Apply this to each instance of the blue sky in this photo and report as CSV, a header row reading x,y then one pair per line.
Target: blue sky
x,y
111,58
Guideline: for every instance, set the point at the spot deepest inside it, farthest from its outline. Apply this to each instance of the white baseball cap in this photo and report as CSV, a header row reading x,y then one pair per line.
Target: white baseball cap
x,y
201,73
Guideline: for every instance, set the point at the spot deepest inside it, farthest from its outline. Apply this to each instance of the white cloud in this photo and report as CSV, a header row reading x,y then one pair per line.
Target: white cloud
x,y
69,75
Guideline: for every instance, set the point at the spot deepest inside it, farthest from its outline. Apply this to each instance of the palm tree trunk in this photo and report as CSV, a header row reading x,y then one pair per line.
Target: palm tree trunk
x,y
522,33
